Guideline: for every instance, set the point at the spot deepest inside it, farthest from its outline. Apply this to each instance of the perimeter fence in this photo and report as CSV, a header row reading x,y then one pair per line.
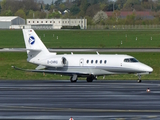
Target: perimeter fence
x,y
123,27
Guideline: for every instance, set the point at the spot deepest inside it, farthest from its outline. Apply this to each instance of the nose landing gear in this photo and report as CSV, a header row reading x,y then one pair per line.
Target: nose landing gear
x,y
139,79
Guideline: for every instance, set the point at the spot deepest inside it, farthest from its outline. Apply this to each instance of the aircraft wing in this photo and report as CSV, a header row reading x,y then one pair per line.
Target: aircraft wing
x,y
52,71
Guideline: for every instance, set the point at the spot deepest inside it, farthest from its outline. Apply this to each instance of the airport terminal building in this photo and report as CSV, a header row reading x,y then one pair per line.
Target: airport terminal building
x,y
56,23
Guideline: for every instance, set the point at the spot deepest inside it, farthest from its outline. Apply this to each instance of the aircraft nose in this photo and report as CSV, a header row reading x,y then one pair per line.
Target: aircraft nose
x,y
148,69
145,68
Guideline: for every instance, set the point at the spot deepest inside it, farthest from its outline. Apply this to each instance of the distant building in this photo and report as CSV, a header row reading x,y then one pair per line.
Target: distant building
x,y
7,21
140,14
56,23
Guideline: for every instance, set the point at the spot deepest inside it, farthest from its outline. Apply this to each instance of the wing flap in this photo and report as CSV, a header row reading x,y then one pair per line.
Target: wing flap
x,y
51,71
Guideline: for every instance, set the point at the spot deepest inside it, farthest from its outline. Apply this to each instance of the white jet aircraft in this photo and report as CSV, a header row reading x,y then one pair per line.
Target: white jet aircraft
x,y
79,65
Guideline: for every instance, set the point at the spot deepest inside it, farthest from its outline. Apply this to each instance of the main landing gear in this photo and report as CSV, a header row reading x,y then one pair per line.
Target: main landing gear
x,y
90,78
139,79
74,78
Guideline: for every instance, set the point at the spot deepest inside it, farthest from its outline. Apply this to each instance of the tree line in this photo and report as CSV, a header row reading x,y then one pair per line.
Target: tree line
x,y
82,9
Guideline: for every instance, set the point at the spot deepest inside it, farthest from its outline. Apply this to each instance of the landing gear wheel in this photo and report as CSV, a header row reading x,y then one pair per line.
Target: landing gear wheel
x,y
90,79
139,79
73,80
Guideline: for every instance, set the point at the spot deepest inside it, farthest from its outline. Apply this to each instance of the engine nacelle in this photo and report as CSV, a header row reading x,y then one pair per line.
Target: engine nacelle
x,y
56,62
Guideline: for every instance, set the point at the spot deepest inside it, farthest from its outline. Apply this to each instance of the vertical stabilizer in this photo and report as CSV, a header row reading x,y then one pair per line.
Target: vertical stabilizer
x,y
35,48
32,41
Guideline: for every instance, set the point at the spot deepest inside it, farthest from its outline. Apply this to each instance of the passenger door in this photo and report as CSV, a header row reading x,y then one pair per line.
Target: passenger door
x,y
81,62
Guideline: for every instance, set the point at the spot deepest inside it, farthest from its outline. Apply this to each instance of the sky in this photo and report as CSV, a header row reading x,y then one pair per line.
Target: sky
x,y
45,1
49,1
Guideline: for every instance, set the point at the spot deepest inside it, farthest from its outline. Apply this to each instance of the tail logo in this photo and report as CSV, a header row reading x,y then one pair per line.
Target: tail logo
x,y
31,40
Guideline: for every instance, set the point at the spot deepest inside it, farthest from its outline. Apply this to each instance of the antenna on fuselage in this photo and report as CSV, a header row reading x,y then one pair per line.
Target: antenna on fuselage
x,y
97,52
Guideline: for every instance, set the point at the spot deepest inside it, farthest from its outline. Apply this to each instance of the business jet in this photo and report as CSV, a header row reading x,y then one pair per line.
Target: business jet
x,y
79,65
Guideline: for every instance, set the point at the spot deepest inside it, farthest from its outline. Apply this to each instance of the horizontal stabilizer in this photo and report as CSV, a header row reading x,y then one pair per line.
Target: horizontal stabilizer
x,y
34,50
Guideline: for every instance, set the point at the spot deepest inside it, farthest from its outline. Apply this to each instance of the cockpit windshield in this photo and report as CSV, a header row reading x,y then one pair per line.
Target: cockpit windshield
x,y
133,60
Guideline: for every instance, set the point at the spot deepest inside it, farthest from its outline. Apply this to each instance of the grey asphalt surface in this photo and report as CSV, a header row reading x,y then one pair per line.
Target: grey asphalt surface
x,y
60,100
88,50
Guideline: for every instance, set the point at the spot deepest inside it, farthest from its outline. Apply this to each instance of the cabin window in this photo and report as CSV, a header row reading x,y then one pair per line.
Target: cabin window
x,y
96,61
100,61
87,61
105,61
92,61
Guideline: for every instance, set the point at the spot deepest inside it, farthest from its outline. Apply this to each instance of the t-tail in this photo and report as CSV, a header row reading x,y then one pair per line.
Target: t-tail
x,y
36,50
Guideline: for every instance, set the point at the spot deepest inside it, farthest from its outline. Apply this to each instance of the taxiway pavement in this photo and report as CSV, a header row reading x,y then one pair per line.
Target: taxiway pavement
x,y
60,100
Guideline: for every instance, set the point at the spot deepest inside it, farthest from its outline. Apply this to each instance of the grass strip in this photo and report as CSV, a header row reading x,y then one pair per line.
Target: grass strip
x,y
85,39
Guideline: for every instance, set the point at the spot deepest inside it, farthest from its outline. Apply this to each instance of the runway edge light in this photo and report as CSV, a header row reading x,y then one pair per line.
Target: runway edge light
x,y
148,90
71,118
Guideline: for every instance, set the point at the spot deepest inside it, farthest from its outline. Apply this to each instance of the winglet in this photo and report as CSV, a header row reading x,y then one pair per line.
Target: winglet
x,y
97,52
13,66
16,68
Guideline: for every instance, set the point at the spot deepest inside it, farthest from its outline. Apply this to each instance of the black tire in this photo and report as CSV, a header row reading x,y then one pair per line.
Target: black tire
x,y
73,81
90,79
139,81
